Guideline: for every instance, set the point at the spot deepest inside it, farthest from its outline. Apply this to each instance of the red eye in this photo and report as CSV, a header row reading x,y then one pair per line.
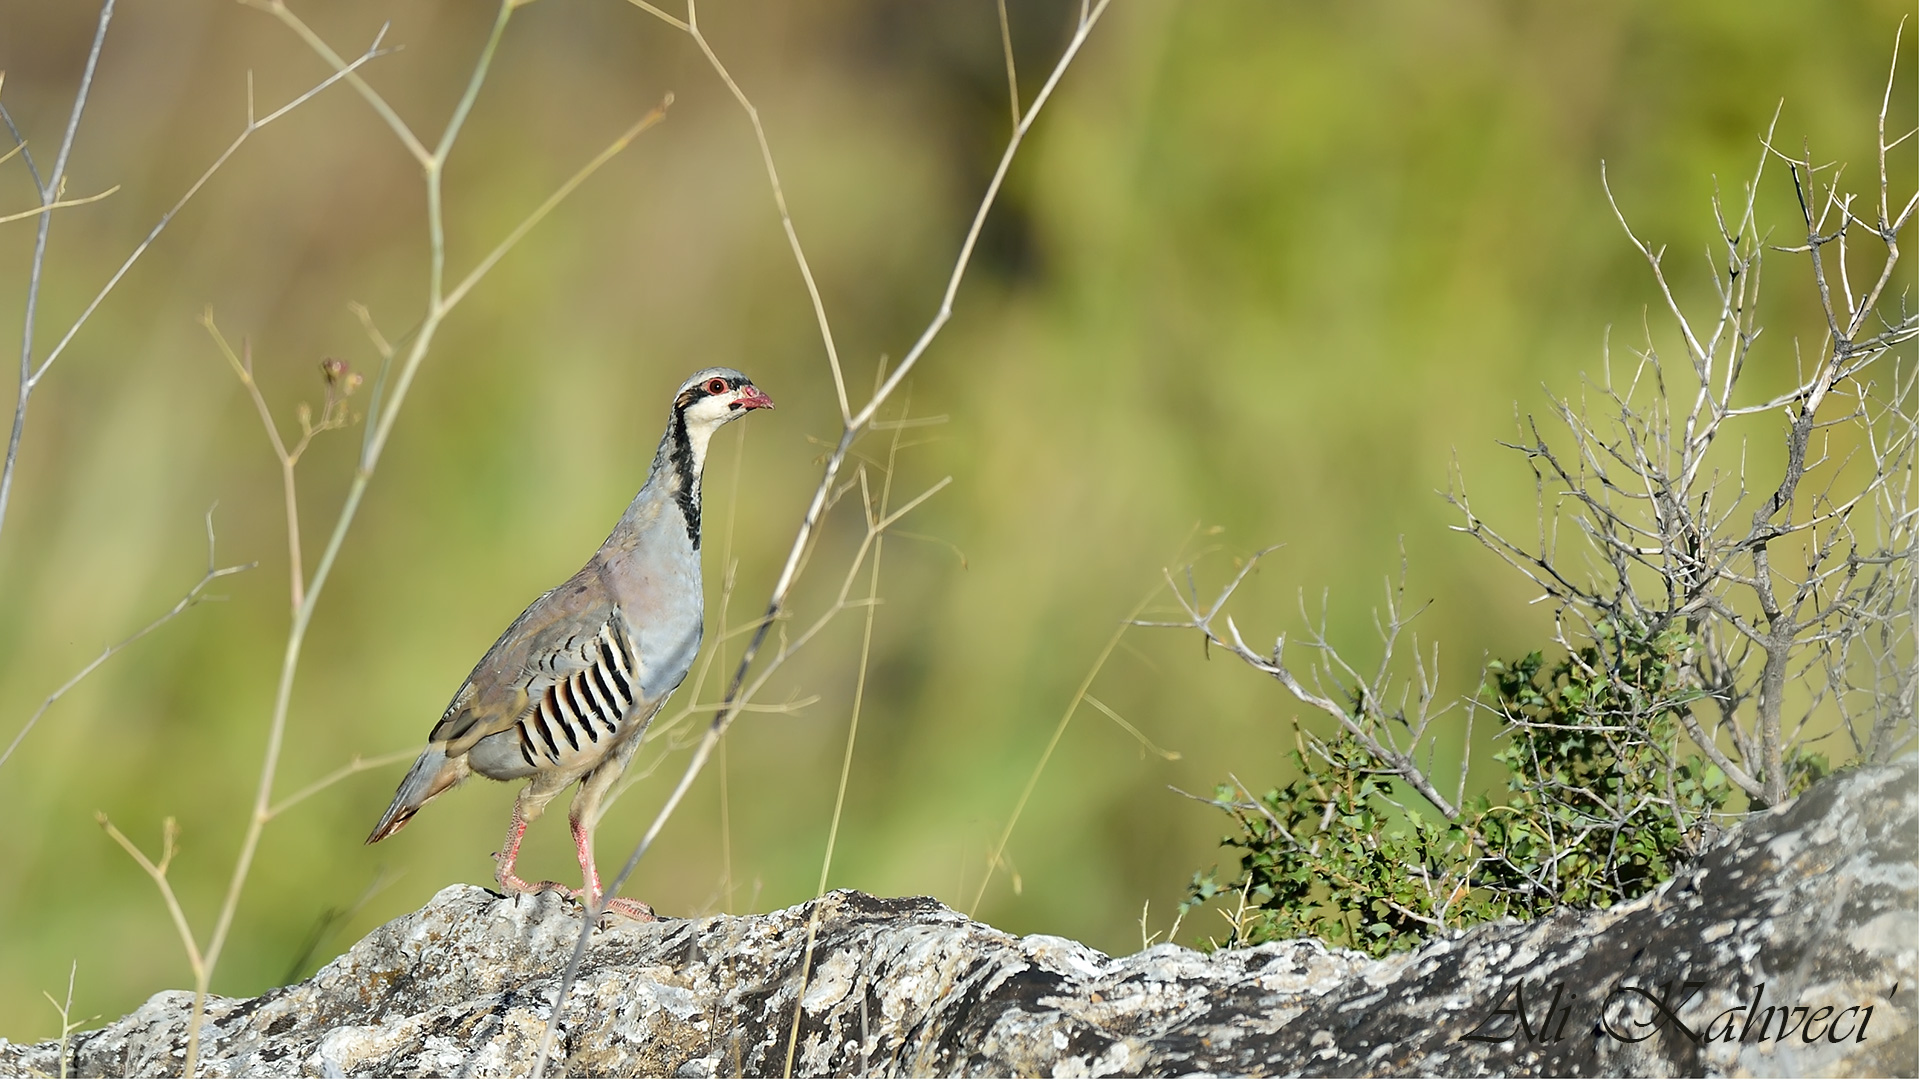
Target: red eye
x,y
716,386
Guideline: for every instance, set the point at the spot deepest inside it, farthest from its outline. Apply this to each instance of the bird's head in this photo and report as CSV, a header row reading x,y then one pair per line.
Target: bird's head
x,y
712,397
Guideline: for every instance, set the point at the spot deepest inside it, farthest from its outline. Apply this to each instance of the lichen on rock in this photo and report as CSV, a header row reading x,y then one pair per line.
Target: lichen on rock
x,y
1810,907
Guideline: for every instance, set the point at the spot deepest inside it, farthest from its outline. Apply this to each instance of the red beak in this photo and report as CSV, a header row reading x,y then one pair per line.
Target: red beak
x,y
751,398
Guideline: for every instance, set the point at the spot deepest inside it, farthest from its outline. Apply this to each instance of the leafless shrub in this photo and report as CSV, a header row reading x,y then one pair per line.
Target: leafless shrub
x,y
1389,712
1730,571
1795,587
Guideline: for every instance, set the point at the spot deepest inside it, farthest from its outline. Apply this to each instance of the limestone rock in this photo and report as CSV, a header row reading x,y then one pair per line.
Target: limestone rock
x,y
1811,907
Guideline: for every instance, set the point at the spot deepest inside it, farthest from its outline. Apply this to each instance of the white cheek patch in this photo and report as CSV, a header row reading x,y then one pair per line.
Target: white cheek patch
x,y
709,411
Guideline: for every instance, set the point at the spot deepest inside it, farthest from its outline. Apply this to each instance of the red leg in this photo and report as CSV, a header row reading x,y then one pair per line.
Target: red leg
x,y
583,850
503,859
590,874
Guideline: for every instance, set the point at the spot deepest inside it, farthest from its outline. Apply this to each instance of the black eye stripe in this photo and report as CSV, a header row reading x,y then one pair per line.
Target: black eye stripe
x,y
712,386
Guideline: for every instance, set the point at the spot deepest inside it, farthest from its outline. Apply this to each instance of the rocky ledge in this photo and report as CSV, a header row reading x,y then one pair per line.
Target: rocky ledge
x,y
1808,913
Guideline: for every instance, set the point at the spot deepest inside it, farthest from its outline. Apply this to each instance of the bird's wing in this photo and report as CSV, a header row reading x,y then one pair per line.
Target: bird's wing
x,y
565,631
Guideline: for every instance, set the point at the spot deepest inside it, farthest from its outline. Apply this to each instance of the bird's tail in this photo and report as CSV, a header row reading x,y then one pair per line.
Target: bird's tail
x,y
431,774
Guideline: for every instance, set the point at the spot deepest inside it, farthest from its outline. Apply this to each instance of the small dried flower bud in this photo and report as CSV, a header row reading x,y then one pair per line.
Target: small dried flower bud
x,y
305,414
333,369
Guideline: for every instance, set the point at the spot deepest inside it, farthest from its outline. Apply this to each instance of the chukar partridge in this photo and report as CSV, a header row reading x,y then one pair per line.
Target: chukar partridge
x,y
567,692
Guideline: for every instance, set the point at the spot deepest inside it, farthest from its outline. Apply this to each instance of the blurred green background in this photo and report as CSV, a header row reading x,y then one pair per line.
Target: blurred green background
x,y
1264,267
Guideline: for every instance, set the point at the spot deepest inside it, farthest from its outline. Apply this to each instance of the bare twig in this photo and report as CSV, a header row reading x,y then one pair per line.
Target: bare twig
x,y
193,596
61,204
352,768
30,373
1368,718
50,188
1013,78
157,871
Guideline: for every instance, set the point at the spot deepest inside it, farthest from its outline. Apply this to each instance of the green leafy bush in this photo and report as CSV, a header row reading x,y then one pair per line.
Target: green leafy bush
x,y
1599,808
1715,620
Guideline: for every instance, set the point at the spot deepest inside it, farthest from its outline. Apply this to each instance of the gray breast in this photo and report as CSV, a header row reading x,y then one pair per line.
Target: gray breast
x,y
656,583
667,649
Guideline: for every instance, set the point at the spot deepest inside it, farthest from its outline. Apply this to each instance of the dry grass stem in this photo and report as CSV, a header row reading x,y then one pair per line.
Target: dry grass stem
x,y
352,768
998,855
874,518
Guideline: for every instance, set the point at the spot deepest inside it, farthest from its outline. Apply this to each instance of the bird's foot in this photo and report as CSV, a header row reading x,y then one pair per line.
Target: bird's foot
x,y
513,885
619,905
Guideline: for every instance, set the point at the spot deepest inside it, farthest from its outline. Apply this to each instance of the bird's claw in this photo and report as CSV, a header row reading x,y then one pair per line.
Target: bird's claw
x,y
513,885
618,905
